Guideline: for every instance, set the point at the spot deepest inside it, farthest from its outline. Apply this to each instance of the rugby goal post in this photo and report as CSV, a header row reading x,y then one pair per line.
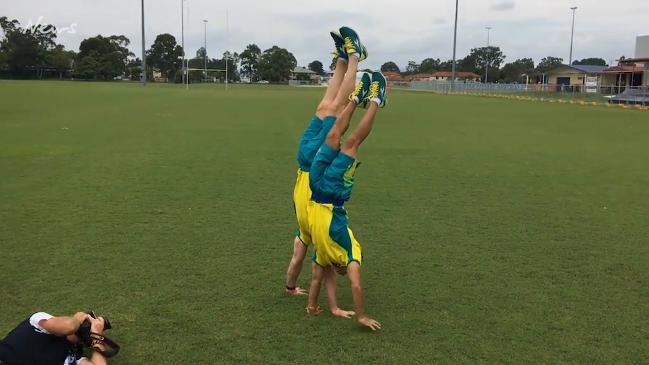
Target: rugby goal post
x,y
208,75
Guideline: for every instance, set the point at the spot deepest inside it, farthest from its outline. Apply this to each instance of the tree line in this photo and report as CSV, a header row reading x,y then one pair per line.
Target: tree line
x,y
32,52
479,59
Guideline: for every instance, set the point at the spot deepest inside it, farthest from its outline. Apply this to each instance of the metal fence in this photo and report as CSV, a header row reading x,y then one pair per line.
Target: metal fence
x,y
618,94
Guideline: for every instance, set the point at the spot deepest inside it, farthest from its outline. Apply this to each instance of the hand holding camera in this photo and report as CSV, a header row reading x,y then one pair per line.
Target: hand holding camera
x,y
91,335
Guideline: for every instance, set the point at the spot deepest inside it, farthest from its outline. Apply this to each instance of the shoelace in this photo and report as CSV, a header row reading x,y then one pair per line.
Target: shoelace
x,y
349,44
357,91
374,90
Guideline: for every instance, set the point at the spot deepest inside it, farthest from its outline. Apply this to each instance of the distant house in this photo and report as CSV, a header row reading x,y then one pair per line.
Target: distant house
x,y
574,76
639,68
623,76
436,76
304,74
459,76
395,77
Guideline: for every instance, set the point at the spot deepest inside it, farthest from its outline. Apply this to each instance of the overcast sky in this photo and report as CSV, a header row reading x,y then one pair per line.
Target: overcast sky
x,y
393,30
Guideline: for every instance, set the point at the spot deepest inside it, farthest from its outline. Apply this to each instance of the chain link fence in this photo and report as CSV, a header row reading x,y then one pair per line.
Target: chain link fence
x,y
614,94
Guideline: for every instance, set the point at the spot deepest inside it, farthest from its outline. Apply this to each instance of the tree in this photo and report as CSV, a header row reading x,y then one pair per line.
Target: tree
x,y
513,72
233,60
250,62
276,64
480,58
446,66
21,52
548,63
317,67
429,65
412,67
591,62
87,67
25,50
108,56
166,55
133,69
201,53
60,59
390,67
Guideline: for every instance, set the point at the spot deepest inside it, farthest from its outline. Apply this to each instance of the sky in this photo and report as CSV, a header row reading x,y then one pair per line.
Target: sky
x,y
392,30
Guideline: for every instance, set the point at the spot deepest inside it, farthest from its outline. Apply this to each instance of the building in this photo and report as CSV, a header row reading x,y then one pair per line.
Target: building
x,y
573,77
304,74
436,76
623,76
639,62
459,76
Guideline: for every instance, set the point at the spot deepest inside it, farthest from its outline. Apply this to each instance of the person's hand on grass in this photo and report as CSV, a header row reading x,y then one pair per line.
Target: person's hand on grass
x,y
369,322
296,292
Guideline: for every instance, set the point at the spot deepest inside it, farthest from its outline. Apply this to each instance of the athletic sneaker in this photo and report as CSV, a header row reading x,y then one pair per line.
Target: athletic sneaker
x,y
339,49
362,90
352,43
378,90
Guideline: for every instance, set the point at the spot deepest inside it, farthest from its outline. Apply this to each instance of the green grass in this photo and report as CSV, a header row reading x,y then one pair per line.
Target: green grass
x,y
494,231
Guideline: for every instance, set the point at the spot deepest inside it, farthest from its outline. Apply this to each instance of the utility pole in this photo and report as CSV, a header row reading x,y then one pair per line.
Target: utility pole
x,y
227,44
572,35
454,47
143,51
205,48
486,70
182,36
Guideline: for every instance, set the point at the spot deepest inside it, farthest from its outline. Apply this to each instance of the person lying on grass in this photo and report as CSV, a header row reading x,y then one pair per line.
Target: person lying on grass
x,y
43,339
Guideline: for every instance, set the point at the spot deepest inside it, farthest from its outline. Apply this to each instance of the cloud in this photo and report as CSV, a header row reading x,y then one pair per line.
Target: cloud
x,y
503,6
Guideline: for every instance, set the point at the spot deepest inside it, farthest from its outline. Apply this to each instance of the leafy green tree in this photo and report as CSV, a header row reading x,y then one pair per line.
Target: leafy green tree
x,y
166,55
21,53
317,67
276,64
591,61
133,69
233,72
201,53
108,55
548,63
513,72
60,59
87,67
390,67
429,65
446,66
25,50
480,58
412,68
250,58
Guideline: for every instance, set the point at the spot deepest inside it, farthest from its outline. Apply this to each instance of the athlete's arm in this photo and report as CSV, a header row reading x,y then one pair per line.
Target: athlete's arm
x,y
354,273
63,326
330,285
294,268
316,279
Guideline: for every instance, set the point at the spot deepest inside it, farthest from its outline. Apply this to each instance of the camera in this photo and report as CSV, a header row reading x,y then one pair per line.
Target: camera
x,y
95,341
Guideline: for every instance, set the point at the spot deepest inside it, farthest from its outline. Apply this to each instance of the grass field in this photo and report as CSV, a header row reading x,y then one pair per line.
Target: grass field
x,y
494,231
